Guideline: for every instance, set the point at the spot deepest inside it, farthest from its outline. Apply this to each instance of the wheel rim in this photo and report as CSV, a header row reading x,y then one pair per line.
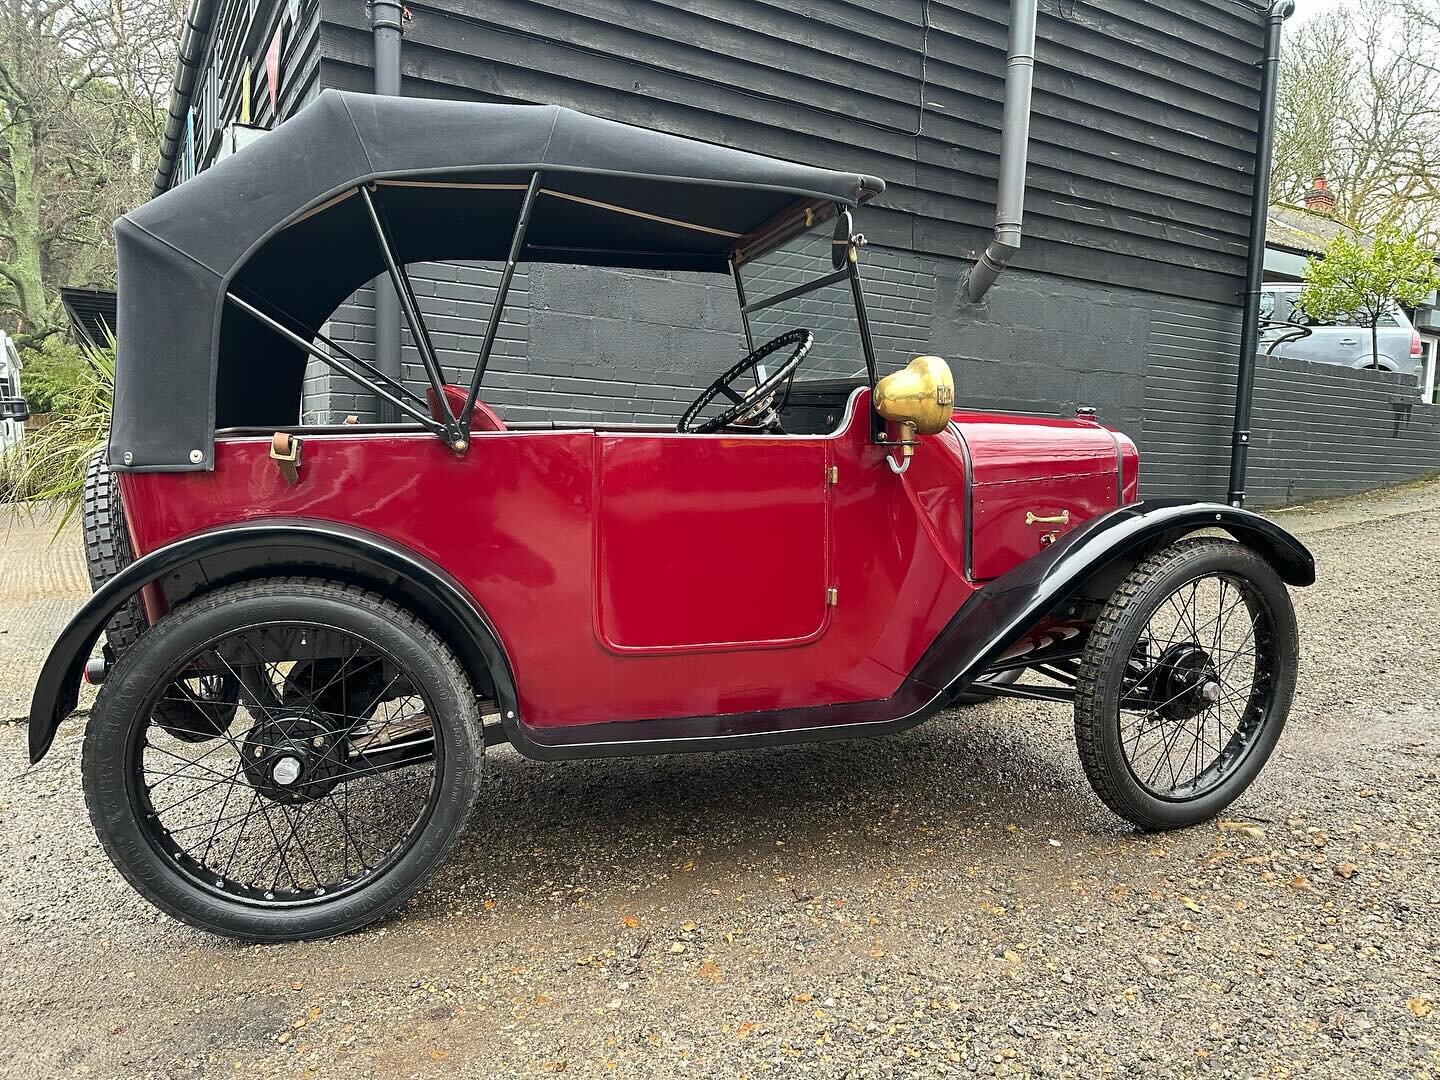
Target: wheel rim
x,y
1199,687
313,790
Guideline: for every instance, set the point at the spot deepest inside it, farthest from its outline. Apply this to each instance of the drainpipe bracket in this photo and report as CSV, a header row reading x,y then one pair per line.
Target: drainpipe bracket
x,y
387,15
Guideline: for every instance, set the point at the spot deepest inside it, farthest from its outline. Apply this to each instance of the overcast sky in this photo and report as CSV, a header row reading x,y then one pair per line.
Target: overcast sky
x,y
1306,9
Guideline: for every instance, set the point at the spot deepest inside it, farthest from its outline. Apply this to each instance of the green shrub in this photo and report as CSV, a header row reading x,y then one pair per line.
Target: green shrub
x,y
51,373
50,462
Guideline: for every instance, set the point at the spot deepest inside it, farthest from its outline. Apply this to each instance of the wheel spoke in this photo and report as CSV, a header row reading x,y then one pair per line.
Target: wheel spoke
x,y
1196,685
245,826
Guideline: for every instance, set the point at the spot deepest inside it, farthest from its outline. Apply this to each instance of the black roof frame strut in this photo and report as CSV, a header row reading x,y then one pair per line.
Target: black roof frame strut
x,y
455,429
374,386
457,437
452,428
849,273
517,244
278,313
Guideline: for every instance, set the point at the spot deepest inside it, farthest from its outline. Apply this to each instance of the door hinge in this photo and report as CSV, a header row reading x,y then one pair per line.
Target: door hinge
x,y
832,475
832,597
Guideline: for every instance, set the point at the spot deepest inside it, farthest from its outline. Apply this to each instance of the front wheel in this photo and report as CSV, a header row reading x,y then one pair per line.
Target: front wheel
x,y
318,805
1185,683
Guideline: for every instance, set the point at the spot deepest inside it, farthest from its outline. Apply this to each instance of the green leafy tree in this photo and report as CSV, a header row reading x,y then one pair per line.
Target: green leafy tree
x,y
1364,281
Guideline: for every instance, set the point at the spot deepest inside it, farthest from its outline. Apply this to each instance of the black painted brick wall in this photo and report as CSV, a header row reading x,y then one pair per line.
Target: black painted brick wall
x,y
590,344
1316,429
1321,429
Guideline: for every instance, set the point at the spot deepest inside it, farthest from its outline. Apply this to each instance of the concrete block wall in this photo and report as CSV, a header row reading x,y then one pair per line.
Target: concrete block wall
x,y
456,299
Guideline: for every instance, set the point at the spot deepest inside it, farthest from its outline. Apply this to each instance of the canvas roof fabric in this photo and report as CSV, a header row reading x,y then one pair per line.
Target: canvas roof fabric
x,y
282,225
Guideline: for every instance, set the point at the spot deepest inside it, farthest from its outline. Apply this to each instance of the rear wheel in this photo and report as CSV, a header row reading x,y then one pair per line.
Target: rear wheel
x,y
322,803
1185,683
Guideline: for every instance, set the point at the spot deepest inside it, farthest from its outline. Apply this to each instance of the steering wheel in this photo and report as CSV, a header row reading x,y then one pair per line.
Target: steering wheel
x,y
756,403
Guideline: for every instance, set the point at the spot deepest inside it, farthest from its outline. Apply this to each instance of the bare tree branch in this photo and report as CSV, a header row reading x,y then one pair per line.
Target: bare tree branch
x,y
1359,101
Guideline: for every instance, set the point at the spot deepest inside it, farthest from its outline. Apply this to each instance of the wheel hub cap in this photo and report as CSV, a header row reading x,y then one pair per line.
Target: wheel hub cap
x,y
293,759
285,771
1186,682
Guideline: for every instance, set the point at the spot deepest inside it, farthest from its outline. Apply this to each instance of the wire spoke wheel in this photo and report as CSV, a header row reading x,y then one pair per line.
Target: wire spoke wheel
x,y
1201,687
340,776
296,801
1186,682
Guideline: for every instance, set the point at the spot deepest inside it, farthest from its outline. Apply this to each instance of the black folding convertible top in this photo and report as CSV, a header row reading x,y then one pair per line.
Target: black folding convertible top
x,y
283,226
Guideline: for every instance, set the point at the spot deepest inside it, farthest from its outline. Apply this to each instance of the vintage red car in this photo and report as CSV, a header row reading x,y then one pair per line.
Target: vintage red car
x,y
316,631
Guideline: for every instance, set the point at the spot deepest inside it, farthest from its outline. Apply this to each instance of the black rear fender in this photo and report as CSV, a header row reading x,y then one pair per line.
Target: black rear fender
x,y
1083,567
232,553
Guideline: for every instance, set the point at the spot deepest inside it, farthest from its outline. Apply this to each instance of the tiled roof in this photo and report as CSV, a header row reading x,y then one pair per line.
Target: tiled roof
x,y
1301,230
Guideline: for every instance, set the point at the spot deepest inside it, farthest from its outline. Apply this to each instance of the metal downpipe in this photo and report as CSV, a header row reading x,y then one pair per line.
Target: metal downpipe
x,y
194,39
1014,151
1280,10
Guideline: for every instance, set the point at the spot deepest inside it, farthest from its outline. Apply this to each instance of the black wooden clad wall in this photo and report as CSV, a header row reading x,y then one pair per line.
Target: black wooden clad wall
x,y
1142,139
1141,149
243,30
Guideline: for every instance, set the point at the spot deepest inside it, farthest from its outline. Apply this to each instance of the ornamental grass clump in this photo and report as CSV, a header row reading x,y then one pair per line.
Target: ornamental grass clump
x,y
48,465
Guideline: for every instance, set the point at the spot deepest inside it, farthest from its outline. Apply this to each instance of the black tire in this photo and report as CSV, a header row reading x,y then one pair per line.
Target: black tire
x,y
107,550
242,901
199,713
1130,666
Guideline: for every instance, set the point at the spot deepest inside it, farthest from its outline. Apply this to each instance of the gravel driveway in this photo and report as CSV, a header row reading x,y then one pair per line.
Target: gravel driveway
x,y
952,900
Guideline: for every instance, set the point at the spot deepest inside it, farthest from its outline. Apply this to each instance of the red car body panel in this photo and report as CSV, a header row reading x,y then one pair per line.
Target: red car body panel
x,y
739,558
1067,469
651,575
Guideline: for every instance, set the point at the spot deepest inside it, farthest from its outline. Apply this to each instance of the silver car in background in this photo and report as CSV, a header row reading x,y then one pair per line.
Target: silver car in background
x,y
1342,342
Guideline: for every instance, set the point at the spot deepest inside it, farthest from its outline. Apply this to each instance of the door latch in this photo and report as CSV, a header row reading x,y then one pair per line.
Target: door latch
x,y
285,452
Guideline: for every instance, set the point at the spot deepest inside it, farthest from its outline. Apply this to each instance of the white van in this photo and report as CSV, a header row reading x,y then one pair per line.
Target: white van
x,y
13,410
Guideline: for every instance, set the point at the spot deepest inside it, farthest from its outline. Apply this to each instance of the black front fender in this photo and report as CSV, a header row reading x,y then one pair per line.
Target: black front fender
x,y
321,547
1006,609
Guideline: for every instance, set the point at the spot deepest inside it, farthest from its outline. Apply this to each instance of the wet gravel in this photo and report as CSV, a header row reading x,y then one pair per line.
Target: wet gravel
x,y
950,901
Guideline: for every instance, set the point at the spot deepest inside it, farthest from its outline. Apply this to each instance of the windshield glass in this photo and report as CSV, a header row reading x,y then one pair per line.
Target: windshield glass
x,y
828,311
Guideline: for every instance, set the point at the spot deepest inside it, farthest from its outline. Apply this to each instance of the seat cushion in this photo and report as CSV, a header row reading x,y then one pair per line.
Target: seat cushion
x,y
483,418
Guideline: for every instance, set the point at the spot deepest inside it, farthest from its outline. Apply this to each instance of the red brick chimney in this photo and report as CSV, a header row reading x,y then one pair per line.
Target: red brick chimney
x,y
1320,198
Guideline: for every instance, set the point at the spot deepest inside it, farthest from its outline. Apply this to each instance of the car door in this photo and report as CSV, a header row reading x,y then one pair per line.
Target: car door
x,y
1322,345
711,542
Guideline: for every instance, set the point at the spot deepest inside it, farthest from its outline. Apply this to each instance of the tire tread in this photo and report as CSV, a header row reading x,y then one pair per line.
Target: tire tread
x,y
107,549
469,762
1101,655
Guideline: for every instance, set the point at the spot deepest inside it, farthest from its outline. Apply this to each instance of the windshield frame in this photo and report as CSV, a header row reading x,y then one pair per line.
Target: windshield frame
x,y
782,232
